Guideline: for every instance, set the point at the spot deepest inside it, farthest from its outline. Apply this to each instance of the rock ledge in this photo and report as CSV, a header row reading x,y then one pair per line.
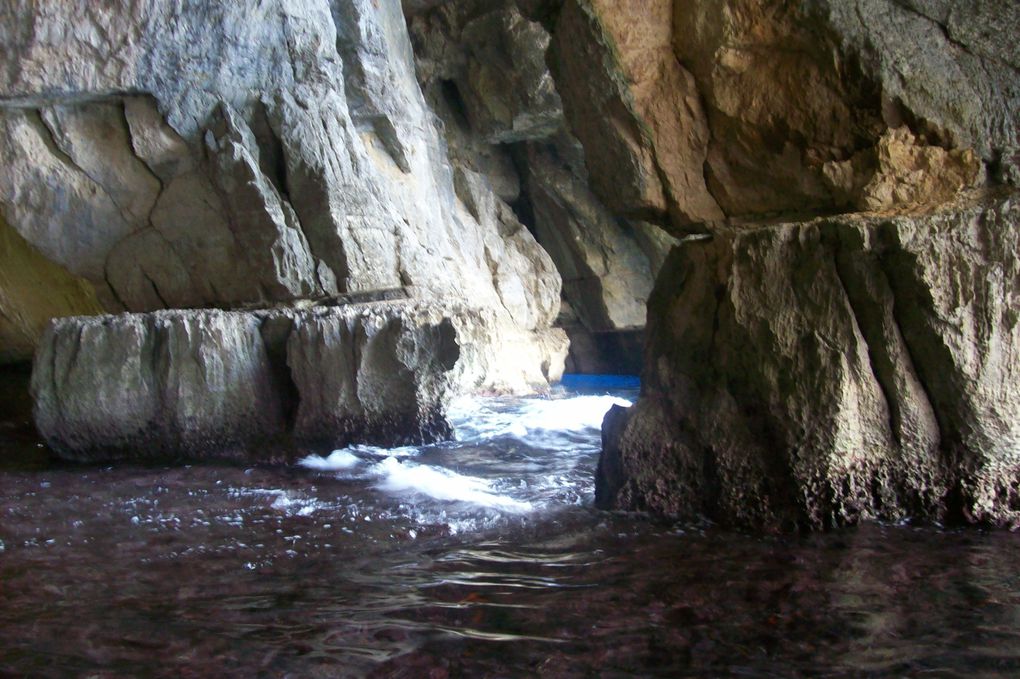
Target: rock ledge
x,y
263,384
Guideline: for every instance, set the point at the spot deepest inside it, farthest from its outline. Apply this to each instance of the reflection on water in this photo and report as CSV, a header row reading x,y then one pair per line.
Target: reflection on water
x,y
481,557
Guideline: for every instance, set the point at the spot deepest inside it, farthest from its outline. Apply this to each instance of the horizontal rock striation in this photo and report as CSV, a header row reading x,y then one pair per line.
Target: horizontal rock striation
x,y
260,385
816,374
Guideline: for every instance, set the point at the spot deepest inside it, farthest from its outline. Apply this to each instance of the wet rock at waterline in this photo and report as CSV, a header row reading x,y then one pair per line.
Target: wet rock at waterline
x,y
159,385
195,384
821,373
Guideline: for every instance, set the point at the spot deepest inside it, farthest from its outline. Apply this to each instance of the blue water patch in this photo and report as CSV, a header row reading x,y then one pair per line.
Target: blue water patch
x,y
600,383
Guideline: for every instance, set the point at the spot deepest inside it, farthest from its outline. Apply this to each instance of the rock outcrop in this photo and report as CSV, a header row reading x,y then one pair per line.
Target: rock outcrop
x,y
820,373
899,173
813,370
690,112
833,337
235,154
187,384
257,385
692,115
635,109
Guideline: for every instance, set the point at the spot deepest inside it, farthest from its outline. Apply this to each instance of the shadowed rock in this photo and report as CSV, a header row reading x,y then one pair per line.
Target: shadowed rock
x,y
820,373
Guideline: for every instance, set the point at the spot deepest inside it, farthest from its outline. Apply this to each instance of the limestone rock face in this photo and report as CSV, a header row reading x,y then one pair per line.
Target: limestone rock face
x,y
33,290
189,384
483,69
692,111
952,65
606,274
371,377
635,109
235,154
262,385
502,43
820,373
608,264
902,174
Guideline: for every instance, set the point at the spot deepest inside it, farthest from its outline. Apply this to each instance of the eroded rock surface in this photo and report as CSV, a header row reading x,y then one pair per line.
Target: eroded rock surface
x,y
799,364
606,274
259,385
804,368
635,109
820,373
32,291
694,111
701,116
233,154
483,68
173,384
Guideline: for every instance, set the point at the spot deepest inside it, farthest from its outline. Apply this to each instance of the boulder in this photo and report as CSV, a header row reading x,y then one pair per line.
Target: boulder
x,y
168,384
821,373
262,385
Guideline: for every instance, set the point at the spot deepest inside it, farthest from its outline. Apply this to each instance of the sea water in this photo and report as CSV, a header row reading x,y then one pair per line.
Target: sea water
x,y
482,556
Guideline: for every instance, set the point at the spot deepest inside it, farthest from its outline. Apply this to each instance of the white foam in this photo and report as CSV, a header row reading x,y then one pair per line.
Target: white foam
x,y
442,484
295,506
543,440
282,501
483,418
369,452
337,460
569,414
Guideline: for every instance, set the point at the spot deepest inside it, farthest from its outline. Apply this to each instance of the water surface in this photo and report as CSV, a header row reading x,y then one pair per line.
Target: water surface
x,y
480,557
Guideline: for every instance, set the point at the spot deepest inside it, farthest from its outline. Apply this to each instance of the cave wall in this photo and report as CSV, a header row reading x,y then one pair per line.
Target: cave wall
x,y
602,122
485,68
32,291
246,154
692,112
257,154
842,345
